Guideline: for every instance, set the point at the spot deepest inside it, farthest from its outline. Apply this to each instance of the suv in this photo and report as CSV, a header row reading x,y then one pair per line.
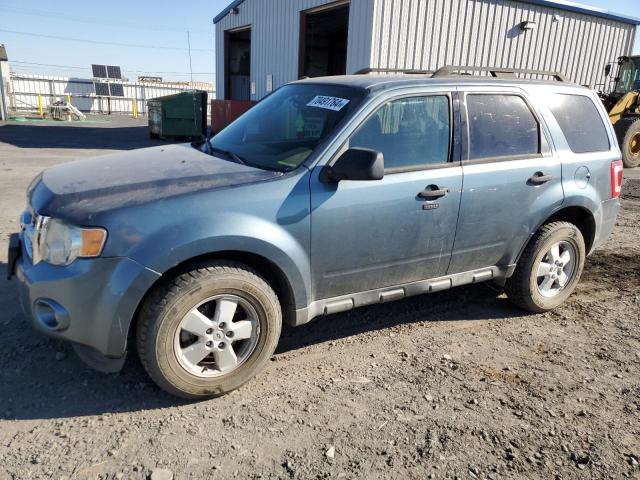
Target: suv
x,y
330,194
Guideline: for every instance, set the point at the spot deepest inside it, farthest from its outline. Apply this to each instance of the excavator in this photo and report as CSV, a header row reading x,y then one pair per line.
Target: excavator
x,y
623,104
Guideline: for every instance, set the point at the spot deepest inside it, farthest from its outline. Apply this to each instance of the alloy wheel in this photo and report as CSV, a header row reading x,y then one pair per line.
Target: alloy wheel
x,y
217,336
556,269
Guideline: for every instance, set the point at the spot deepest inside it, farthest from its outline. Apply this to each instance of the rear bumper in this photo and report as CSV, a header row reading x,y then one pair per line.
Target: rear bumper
x,y
90,302
608,216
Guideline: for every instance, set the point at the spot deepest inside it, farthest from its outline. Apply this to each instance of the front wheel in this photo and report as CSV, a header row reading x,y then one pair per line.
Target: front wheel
x,y
549,268
209,330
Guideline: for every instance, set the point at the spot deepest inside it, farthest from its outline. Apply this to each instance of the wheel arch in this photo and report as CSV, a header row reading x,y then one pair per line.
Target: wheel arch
x,y
265,267
580,216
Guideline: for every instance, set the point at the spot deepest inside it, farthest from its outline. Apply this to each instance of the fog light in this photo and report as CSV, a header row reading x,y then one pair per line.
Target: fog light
x,y
51,315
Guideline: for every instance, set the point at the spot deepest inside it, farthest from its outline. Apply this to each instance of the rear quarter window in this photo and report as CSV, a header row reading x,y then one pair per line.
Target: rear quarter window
x,y
580,122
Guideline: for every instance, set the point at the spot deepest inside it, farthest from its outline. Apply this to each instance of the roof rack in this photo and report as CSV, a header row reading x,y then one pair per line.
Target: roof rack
x,y
496,72
365,71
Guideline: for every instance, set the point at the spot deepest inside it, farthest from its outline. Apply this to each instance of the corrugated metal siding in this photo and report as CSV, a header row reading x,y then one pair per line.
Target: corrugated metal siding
x,y
275,39
427,34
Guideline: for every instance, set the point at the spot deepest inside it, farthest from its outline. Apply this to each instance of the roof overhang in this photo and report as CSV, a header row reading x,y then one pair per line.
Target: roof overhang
x,y
226,10
559,4
586,10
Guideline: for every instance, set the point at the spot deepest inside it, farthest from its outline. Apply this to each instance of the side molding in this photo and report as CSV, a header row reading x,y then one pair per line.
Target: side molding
x,y
387,294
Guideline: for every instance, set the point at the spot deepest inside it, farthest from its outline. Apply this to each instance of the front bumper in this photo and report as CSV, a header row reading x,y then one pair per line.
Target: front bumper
x,y
90,302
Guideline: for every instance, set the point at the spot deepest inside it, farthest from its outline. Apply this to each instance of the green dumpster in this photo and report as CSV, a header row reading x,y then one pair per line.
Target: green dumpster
x,y
183,115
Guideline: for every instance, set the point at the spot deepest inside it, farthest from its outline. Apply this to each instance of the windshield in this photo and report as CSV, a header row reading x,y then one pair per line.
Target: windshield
x,y
629,76
281,131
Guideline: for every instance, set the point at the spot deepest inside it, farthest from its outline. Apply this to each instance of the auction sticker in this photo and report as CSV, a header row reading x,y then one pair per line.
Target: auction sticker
x,y
330,103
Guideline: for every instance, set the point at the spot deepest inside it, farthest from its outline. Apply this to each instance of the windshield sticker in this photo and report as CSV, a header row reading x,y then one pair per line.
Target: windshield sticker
x,y
330,103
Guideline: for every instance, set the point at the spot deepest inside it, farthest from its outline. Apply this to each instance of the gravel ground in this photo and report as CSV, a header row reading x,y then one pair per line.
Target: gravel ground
x,y
458,384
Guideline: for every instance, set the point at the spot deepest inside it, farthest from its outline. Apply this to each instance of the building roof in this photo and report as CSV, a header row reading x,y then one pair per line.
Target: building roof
x,y
559,4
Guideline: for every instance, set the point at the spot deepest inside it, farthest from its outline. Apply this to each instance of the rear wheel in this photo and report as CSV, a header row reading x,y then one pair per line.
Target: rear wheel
x,y
549,268
628,132
209,330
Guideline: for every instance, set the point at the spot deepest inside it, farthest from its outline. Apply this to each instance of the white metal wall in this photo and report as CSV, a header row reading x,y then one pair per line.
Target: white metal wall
x,y
427,34
23,91
275,39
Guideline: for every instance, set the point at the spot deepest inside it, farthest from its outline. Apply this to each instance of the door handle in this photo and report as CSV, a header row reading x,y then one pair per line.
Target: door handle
x,y
432,192
539,178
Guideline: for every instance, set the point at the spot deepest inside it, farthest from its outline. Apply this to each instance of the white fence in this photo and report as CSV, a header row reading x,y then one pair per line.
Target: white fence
x,y
23,92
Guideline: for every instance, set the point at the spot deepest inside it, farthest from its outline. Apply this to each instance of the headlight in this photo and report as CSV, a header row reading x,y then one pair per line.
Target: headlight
x,y
59,243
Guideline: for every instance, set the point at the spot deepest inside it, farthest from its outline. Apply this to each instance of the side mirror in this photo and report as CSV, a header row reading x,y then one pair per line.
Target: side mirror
x,y
607,70
356,164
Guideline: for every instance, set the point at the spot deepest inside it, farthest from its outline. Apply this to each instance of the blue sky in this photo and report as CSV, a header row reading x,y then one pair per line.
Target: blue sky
x,y
134,25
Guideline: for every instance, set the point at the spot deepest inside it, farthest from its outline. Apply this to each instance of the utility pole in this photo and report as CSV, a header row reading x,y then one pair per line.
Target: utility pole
x,y
4,75
190,66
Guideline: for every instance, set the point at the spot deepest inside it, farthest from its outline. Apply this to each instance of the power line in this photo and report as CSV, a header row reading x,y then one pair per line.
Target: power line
x,y
136,26
98,42
73,67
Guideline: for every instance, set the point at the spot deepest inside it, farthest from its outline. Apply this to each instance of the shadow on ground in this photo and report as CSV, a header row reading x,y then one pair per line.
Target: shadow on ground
x,y
42,378
77,136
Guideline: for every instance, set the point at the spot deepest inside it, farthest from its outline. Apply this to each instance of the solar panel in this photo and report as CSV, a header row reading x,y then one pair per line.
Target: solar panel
x,y
116,90
113,71
102,89
99,71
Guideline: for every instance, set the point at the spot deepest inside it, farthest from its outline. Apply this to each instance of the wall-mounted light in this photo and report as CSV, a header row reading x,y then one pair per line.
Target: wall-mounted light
x,y
235,10
556,18
528,25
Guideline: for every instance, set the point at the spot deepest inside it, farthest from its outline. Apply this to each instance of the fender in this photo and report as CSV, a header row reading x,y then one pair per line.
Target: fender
x,y
164,250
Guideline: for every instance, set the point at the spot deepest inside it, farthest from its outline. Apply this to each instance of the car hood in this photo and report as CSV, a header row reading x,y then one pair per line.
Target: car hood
x,y
82,189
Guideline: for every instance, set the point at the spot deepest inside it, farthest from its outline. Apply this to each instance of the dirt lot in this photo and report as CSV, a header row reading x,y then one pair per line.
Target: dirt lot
x,y
453,385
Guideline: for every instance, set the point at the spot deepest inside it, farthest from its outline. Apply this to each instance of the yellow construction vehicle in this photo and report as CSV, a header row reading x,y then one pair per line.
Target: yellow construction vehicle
x,y
623,104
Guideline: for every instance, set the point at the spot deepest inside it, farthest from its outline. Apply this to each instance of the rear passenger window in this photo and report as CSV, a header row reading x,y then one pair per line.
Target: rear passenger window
x,y
580,122
501,126
409,132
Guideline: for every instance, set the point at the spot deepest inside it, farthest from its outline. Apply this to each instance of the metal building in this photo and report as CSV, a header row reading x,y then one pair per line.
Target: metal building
x,y
262,44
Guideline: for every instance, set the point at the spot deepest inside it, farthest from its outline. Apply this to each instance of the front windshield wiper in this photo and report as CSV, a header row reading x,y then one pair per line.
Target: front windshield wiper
x,y
210,150
227,153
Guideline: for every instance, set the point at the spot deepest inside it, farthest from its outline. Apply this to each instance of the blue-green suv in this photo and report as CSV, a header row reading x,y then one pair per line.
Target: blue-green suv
x,y
330,194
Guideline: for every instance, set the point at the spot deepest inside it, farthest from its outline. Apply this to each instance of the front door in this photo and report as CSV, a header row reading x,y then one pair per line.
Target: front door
x,y
512,179
373,234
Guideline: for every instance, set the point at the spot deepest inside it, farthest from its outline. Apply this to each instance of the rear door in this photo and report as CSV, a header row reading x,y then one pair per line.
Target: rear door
x,y
512,179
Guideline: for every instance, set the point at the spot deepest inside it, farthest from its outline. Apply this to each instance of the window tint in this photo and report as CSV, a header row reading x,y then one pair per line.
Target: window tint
x,y
580,122
501,126
409,132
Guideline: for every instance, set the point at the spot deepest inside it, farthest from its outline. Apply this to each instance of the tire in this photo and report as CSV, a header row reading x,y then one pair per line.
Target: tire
x,y
540,294
628,133
163,333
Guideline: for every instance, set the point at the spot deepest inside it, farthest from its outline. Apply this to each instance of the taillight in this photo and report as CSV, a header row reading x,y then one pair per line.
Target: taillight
x,y
616,178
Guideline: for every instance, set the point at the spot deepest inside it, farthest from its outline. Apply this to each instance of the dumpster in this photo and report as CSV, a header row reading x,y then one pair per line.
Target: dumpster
x,y
183,115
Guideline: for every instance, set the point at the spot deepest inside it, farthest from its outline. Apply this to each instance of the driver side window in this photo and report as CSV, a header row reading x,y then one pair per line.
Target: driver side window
x,y
409,132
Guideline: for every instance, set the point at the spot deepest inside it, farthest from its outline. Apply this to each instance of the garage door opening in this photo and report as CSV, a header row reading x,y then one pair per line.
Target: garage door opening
x,y
238,64
323,41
